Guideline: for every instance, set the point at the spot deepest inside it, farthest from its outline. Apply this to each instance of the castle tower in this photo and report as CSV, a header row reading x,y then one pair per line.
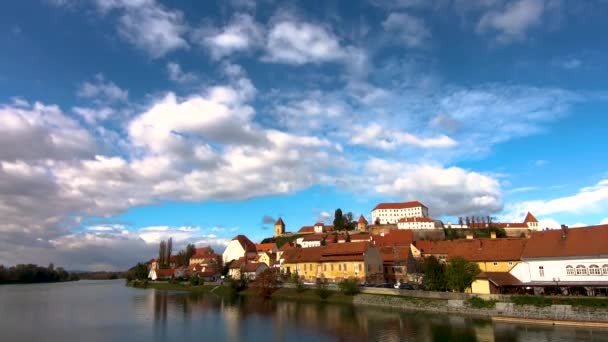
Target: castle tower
x,y
362,224
279,227
531,221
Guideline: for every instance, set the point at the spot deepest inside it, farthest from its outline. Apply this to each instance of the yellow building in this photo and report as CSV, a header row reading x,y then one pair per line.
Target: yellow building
x,y
495,258
334,262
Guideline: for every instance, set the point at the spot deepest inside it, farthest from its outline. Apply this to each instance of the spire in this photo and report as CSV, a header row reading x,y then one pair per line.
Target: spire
x,y
279,222
362,219
530,218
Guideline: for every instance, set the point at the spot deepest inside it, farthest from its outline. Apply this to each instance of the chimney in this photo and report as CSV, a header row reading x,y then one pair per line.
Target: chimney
x,y
492,235
469,236
564,231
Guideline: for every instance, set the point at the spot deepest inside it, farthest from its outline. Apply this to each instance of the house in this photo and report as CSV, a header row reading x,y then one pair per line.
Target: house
x,y
240,246
251,270
385,213
416,223
495,258
161,274
318,228
334,262
203,256
207,273
311,240
567,258
266,258
398,262
270,247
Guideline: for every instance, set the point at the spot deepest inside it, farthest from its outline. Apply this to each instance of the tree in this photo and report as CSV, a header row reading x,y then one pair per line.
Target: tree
x,y
434,274
169,251
162,253
460,221
182,259
460,274
338,220
349,222
267,282
190,250
139,271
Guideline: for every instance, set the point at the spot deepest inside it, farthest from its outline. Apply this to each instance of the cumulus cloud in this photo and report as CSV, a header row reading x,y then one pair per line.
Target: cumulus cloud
x,y
241,34
148,25
296,42
446,191
94,115
176,74
548,223
101,90
412,31
513,20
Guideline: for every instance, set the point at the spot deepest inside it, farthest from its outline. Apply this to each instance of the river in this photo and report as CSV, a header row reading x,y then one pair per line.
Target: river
x,y
109,311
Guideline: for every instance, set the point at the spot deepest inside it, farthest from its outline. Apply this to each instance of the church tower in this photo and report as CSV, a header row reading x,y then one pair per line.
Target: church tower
x,y
362,224
279,227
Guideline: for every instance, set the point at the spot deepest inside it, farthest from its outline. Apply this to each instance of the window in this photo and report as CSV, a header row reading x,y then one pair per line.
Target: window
x,y
510,263
385,269
331,266
605,269
594,270
344,268
569,270
541,271
324,268
495,263
339,267
581,270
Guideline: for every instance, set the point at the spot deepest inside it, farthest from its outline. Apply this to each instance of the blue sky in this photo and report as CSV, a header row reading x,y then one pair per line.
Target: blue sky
x,y
128,121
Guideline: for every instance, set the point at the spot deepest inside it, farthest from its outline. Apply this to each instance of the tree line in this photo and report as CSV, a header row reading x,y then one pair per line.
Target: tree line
x,y
165,250
30,273
457,275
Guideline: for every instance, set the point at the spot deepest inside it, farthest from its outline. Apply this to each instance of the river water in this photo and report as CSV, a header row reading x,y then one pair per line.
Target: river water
x,y
109,311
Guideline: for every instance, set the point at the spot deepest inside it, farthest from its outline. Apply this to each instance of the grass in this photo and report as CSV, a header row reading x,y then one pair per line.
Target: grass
x,y
541,301
480,303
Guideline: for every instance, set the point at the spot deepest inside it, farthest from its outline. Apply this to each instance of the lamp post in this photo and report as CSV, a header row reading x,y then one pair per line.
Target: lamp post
x,y
556,280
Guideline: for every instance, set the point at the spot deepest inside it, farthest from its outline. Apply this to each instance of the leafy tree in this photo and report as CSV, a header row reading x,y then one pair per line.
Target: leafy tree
x,y
323,291
190,250
162,248
338,220
434,274
460,273
349,287
182,259
267,282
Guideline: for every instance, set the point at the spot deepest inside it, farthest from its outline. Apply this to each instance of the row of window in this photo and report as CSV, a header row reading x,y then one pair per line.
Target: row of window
x,y
398,210
580,270
341,267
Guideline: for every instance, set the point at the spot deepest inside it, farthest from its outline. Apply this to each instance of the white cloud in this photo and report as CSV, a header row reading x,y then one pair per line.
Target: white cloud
x,y
176,73
513,20
148,25
94,115
102,90
523,189
375,135
446,191
578,224
548,223
573,63
409,29
604,221
593,199
295,42
241,34
540,162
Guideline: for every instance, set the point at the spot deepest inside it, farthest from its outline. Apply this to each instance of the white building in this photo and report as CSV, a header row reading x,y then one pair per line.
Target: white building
x,y
240,246
312,240
567,257
416,223
392,212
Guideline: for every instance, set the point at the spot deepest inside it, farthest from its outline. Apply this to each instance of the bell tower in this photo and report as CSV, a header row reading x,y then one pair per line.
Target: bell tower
x,y
279,227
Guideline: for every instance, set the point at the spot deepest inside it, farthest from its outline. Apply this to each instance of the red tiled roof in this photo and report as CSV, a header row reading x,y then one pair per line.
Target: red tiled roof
x,y
203,251
388,254
297,255
396,237
399,205
252,266
314,237
350,251
415,219
362,219
360,237
349,248
578,242
286,246
280,221
510,225
166,272
263,247
500,278
247,245
307,229
237,263
530,218
475,249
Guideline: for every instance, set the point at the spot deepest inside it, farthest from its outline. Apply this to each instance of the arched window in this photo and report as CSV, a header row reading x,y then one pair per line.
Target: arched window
x,y
569,270
605,269
581,270
594,270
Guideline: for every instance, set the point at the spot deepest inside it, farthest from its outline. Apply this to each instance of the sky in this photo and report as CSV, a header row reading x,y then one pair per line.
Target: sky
x,y
124,122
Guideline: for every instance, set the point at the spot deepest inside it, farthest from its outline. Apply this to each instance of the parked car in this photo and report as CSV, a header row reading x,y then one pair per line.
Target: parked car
x,y
386,286
406,286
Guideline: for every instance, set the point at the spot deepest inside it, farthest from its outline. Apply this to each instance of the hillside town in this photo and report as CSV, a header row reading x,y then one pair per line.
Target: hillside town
x,y
511,257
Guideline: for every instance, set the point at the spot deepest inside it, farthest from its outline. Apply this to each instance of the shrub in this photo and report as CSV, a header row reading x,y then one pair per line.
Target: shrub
x,y
194,281
531,300
322,291
480,303
349,287
174,281
300,287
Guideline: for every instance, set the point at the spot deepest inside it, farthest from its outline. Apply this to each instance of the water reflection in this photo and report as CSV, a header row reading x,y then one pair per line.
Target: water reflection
x,y
251,319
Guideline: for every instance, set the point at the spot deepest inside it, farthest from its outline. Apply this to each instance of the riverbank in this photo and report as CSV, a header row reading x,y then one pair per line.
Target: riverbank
x,y
517,309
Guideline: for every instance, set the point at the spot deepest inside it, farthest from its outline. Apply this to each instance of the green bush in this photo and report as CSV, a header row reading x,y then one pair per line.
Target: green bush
x,y
194,281
300,287
349,287
322,291
480,303
531,300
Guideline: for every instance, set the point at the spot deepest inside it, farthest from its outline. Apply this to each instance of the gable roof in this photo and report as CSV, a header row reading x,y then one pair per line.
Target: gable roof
x,y
499,278
247,245
475,249
307,229
584,241
164,272
253,266
263,247
530,218
280,222
396,237
399,205
314,237
350,251
286,246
